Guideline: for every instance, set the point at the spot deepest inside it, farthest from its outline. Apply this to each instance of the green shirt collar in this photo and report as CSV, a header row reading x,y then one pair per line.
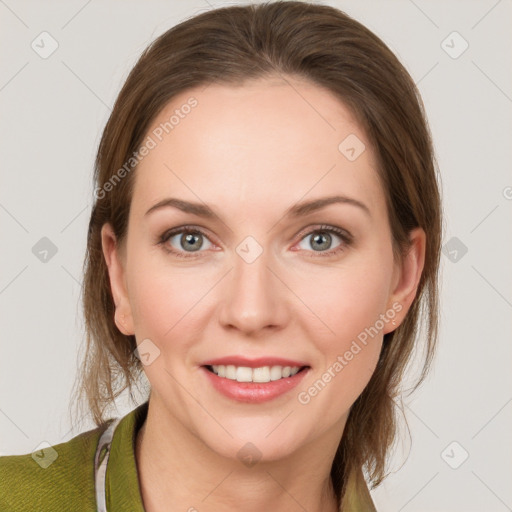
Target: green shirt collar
x,y
122,481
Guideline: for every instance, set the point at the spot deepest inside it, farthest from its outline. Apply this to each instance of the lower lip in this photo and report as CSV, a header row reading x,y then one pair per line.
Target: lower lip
x,y
254,392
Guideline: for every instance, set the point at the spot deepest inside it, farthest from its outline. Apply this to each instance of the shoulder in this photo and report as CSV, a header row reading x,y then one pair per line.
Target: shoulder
x,y
56,478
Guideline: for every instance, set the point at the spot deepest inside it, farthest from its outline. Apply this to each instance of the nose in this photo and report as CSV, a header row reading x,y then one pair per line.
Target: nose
x,y
255,299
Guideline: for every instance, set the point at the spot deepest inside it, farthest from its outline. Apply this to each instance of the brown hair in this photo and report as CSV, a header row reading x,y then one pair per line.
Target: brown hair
x,y
230,45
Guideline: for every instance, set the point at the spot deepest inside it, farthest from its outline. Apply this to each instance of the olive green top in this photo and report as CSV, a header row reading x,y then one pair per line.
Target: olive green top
x,y
60,478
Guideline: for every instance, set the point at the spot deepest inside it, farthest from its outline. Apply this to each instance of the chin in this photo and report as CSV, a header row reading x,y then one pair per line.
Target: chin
x,y
256,440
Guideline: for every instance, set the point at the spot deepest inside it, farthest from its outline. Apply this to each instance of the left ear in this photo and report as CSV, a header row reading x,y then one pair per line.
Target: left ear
x,y
406,277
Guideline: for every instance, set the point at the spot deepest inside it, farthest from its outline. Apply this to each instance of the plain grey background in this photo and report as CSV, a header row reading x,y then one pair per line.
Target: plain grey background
x,y
53,109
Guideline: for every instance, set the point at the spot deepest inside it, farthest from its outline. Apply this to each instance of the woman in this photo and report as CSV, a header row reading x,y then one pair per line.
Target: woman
x,y
263,245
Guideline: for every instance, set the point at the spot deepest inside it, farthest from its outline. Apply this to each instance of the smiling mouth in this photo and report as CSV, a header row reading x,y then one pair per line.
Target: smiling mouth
x,y
258,375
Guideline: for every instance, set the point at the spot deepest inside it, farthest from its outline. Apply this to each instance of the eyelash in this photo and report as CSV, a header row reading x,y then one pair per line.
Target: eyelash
x,y
346,238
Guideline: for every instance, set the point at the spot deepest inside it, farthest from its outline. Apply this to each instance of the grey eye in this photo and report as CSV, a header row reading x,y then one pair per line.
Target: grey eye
x,y
188,241
321,240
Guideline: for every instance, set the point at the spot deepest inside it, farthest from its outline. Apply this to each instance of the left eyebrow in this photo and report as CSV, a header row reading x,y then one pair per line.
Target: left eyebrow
x,y
297,210
305,208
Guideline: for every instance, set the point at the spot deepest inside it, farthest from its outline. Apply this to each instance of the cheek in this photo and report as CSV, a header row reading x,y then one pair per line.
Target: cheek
x,y
347,330
165,301
348,358
347,301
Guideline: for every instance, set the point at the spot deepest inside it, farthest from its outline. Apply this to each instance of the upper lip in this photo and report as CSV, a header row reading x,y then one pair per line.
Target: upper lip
x,y
253,363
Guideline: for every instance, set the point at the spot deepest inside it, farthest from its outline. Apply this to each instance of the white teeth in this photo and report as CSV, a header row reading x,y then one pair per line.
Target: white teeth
x,y
243,374
276,372
261,374
230,372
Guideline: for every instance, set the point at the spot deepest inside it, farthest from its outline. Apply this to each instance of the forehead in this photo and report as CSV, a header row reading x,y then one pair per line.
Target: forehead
x,y
267,140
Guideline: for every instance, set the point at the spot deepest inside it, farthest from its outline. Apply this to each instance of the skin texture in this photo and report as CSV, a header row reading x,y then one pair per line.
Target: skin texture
x,y
250,153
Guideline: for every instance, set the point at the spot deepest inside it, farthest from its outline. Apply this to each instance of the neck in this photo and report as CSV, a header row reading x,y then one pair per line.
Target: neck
x,y
176,468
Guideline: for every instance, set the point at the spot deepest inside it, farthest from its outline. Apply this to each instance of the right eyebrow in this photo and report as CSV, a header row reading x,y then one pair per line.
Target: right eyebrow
x,y
198,209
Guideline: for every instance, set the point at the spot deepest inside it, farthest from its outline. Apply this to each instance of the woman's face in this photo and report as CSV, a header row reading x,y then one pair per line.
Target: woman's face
x,y
263,280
